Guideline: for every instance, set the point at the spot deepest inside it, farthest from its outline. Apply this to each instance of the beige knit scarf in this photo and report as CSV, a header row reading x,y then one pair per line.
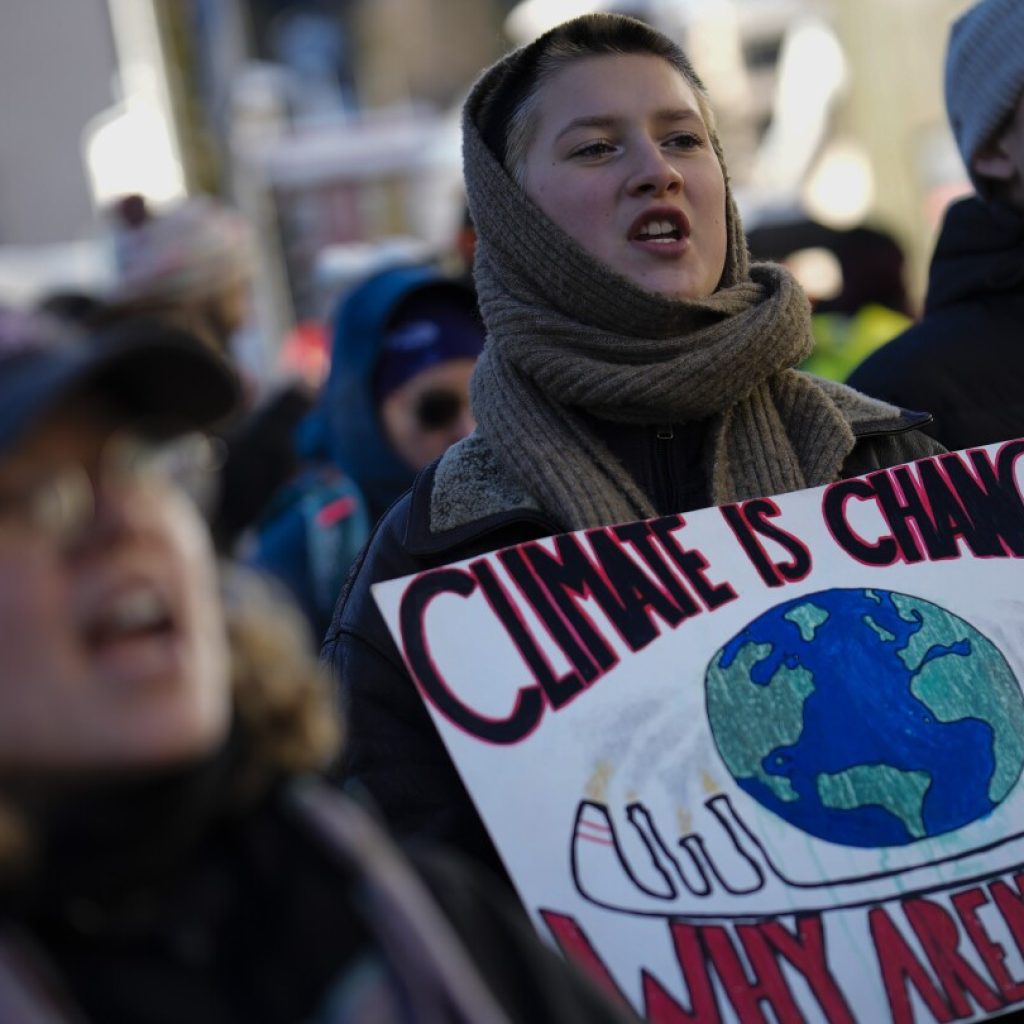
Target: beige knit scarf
x,y
565,333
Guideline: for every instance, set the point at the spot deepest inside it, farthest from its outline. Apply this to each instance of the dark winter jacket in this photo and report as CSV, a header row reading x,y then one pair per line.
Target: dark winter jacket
x,y
297,909
964,361
465,506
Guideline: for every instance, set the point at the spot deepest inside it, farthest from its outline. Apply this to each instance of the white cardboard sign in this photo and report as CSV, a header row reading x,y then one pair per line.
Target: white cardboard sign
x,y
762,762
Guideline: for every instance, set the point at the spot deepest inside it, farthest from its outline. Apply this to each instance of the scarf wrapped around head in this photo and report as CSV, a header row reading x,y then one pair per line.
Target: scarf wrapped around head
x,y
566,333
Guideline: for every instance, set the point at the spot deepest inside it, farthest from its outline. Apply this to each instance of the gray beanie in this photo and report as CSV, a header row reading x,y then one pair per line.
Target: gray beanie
x,y
984,73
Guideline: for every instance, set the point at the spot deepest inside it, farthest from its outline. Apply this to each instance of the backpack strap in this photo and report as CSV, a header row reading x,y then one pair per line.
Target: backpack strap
x,y
30,991
420,942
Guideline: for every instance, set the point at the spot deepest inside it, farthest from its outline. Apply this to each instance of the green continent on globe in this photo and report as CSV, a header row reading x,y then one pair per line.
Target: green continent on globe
x,y
900,792
951,695
807,618
773,715
880,631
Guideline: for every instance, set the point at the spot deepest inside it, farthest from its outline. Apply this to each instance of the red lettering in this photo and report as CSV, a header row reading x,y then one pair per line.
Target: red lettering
x,y
699,949
991,953
1011,907
768,984
900,967
660,1007
575,946
938,934
806,952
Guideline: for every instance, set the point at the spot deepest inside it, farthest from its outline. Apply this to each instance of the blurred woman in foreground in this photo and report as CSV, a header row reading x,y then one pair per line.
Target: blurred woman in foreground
x,y
166,853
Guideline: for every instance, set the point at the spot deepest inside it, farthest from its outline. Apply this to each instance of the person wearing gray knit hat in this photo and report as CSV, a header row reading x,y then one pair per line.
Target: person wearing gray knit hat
x,y
963,361
190,266
984,87
637,363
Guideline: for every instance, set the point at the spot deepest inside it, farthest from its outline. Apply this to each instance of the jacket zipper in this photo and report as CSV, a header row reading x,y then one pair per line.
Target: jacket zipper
x,y
664,468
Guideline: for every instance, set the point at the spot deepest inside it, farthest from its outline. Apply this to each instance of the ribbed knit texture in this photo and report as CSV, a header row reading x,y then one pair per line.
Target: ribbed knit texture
x,y
984,73
567,333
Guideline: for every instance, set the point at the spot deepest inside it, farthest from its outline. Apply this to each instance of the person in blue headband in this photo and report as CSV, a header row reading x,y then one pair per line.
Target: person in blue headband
x,y
405,341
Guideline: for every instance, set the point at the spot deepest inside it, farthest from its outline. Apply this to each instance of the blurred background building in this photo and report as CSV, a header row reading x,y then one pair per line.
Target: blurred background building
x,y
333,126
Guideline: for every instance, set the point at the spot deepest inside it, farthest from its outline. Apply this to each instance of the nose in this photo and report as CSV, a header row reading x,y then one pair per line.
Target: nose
x,y
116,516
654,173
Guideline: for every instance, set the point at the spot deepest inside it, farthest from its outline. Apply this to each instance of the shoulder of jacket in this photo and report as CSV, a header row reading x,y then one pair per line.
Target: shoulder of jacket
x,y
463,495
867,416
470,484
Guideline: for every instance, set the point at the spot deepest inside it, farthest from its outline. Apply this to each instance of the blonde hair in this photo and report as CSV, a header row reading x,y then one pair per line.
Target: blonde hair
x,y
280,693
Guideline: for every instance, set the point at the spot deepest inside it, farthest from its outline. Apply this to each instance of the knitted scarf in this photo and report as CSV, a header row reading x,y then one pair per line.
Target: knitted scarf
x,y
566,333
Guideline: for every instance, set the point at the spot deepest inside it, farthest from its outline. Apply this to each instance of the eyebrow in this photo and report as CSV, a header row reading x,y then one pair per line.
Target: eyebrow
x,y
610,120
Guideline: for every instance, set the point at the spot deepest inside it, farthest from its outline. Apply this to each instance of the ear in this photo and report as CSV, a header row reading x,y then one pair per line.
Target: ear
x,y
994,161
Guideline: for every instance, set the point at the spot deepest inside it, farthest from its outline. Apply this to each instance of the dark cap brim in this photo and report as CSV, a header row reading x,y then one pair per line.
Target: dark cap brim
x,y
161,381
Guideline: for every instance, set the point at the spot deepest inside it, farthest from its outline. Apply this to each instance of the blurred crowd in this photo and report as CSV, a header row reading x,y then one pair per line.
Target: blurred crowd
x,y
198,820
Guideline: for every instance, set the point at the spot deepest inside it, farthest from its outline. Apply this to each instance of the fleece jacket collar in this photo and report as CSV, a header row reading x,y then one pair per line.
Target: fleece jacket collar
x,y
467,494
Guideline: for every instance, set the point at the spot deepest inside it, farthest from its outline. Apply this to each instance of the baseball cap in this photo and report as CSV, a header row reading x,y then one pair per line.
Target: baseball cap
x,y
161,380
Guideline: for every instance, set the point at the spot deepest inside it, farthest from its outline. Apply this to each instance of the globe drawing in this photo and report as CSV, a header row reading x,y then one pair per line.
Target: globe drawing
x,y
866,717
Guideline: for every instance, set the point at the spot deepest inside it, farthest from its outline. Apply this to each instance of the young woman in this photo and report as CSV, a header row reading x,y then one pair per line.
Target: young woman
x,y
166,853
636,363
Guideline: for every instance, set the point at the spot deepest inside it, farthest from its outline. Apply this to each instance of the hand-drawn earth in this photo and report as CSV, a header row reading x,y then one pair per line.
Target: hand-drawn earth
x,y
867,718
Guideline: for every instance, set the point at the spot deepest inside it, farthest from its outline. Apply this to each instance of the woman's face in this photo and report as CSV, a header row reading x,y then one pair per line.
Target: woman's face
x,y
112,640
621,160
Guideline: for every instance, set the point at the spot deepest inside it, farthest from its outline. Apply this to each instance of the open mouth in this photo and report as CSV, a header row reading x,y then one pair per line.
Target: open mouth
x,y
660,227
136,613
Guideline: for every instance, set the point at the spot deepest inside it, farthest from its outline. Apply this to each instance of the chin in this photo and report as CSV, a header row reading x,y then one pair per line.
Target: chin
x,y
678,293
175,736
670,287
171,752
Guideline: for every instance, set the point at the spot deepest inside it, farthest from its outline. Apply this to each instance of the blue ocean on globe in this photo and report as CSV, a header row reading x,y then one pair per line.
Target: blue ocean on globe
x,y
866,717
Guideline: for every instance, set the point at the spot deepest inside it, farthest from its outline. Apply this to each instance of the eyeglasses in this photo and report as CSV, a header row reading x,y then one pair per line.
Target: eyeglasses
x,y
63,504
438,409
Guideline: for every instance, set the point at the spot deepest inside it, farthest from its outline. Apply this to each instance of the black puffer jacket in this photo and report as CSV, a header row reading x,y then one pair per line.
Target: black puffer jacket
x,y
964,361
393,749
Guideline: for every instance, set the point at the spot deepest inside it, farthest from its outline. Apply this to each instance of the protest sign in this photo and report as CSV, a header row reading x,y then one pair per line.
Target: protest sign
x,y
759,762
